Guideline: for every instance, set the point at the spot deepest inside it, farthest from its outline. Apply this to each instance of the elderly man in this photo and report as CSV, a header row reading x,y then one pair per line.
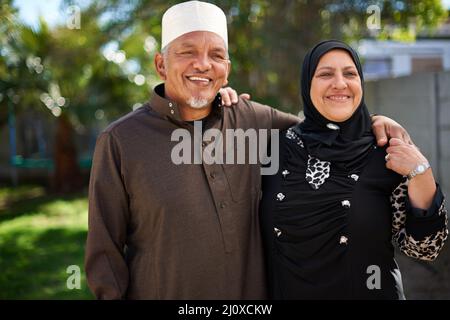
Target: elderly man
x,y
158,230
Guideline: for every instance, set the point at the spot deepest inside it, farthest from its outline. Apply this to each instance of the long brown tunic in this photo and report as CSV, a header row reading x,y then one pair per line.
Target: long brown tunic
x,y
158,230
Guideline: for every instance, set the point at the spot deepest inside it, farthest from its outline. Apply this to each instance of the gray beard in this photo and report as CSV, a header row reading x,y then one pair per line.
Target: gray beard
x,y
197,103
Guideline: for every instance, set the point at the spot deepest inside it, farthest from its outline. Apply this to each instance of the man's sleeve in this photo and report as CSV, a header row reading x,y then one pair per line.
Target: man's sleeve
x,y
105,265
270,118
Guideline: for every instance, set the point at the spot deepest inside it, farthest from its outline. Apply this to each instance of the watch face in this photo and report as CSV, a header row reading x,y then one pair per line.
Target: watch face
x,y
420,169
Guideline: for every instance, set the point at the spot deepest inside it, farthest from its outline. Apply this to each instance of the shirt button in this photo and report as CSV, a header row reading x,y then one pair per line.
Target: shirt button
x,y
170,104
212,175
172,112
280,196
223,204
343,240
285,173
204,144
354,177
346,204
277,232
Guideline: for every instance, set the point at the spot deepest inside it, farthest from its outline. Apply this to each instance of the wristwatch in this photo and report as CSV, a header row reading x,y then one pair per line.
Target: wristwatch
x,y
420,169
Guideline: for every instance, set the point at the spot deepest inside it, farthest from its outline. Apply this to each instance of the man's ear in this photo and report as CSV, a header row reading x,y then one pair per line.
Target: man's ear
x,y
228,73
160,66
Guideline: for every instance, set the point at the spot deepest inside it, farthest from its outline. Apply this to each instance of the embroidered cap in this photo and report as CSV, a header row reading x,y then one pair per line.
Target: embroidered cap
x,y
192,16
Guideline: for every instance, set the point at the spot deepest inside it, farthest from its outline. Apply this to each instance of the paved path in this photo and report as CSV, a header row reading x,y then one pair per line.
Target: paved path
x,y
426,280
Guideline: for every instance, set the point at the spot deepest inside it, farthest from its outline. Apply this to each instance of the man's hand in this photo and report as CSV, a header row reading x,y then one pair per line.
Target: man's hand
x,y
385,128
230,97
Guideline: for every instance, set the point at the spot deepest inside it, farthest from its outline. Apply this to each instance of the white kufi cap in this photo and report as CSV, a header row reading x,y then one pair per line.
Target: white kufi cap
x,y
192,16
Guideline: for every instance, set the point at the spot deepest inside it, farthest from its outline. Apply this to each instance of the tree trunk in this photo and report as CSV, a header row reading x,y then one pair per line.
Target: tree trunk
x,y
67,175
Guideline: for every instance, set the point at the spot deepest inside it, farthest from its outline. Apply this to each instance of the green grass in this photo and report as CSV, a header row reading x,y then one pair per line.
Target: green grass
x,y
40,236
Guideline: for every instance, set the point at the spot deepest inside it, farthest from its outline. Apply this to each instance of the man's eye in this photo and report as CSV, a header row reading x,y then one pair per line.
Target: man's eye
x,y
324,75
186,53
350,74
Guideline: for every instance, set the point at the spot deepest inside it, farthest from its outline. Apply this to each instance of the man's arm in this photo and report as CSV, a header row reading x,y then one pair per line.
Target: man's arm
x,y
267,117
105,265
383,127
272,118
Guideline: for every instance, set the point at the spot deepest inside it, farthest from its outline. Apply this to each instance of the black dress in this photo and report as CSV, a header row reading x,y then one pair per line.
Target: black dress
x,y
341,248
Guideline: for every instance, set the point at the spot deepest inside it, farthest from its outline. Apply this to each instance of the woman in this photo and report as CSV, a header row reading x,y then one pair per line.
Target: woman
x,y
329,215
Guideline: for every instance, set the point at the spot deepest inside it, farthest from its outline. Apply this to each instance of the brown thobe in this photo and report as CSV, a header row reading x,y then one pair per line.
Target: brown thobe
x,y
158,230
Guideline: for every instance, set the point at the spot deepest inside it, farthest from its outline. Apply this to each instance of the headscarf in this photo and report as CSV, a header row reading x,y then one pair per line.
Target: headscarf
x,y
343,143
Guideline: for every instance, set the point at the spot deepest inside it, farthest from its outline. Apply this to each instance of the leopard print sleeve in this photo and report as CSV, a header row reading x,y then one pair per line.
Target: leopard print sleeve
x,y
418,237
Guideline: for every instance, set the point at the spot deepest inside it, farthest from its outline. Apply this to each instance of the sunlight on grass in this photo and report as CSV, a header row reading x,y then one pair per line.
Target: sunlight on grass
x,y
10,195
38,243
58,213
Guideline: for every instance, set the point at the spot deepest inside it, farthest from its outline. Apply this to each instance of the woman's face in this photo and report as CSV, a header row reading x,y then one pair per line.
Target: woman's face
x,y
336,89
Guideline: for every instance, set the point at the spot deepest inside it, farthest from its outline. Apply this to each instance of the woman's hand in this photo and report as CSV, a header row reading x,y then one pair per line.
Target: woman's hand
x,y
385,128
230,96
403,158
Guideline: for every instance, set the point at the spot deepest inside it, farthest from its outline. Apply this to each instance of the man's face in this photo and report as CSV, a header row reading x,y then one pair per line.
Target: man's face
x,y
194,68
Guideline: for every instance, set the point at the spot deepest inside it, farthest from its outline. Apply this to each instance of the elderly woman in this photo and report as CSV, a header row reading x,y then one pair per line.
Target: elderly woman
x,y
338,201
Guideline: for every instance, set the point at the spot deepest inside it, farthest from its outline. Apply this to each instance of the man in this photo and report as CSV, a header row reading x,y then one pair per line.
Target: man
x,y
158,230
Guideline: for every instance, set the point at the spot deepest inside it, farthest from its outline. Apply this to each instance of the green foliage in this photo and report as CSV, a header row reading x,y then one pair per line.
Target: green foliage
x,y
40,236
268,40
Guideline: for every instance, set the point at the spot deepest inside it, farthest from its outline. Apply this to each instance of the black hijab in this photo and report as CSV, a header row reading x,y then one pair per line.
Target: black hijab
x,y
348,144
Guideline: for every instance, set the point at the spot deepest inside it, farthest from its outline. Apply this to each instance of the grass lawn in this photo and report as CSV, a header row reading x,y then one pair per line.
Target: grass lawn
x,y
40,236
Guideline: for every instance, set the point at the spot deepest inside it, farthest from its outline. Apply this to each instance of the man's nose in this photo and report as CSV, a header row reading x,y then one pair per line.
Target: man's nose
x,y
202,63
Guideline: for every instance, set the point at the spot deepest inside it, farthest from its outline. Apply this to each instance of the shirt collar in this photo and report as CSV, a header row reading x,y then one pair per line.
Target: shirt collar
x,y
170,109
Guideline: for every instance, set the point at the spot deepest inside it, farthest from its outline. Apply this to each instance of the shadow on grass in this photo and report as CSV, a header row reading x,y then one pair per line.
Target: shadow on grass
x,y
33,264
28,207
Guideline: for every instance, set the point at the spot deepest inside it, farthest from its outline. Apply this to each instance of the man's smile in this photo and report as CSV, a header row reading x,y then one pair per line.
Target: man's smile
x,y
197,80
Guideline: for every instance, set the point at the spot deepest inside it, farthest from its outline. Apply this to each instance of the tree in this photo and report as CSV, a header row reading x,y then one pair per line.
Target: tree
x,y
69,75
100,71
268,39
